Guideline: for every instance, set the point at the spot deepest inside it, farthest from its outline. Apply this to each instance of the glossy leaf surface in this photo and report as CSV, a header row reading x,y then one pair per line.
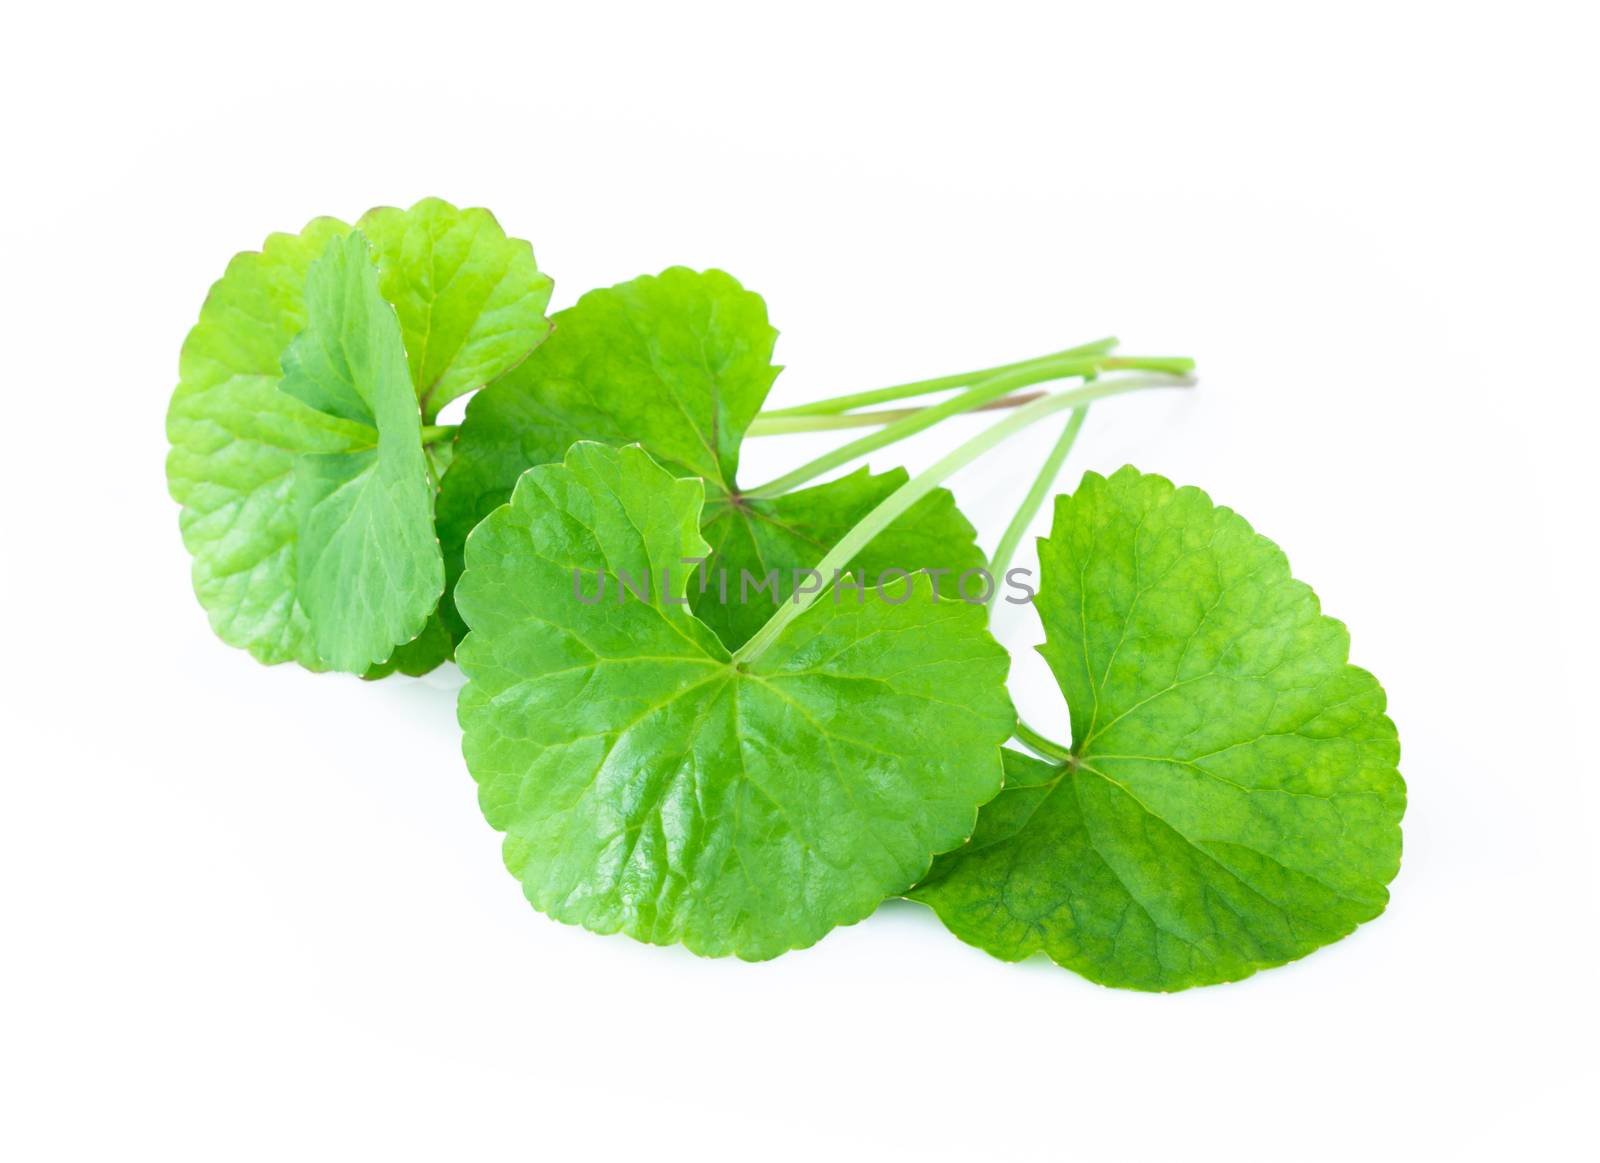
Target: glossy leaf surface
x,y
681,363
647,784
1232,801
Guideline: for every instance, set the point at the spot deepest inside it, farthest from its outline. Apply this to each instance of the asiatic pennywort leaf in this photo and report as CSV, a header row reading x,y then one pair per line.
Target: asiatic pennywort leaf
x,y
368,567
471,300
648,783
1232,800
286,488
681,362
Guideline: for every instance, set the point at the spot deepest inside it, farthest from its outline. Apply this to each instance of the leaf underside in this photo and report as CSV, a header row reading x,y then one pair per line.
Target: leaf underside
x,y
1234,800
648,785
368,567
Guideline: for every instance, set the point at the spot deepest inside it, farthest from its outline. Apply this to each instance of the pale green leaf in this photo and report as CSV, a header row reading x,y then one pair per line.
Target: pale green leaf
x,y
648,785
235,438
1232,801
472,304
369,571
471,301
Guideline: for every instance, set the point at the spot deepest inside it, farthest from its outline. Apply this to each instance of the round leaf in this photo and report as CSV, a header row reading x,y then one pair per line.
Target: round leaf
x,y
470,304
235,439
471,301
1232,801
647,784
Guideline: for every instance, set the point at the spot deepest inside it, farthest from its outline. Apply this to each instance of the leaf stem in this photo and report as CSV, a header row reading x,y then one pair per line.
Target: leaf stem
x,y
1043,747
938,384
1029,509
990,389
924,483
435,433
768,425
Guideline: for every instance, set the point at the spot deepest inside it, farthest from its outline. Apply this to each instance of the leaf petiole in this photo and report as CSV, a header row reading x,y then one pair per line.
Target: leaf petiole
x,y
993,388
925,482
767,424
1043,747
852,400
1012,537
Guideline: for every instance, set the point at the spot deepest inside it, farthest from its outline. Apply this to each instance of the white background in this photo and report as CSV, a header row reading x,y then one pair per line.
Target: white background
x,y
254,913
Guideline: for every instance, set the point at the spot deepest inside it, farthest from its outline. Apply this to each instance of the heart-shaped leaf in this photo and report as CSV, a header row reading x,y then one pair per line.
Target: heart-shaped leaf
x,y
1231,799
648,783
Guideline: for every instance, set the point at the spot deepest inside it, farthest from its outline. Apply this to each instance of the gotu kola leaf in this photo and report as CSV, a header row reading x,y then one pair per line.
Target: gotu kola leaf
x,y
368,567
471,300
681,362
648,783
236,438
1231,799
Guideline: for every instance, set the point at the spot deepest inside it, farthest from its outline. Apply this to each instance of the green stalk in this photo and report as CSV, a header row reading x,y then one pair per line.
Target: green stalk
x,y
920,486
975,397
768,425
939,384
434,433
1029,509
1042,747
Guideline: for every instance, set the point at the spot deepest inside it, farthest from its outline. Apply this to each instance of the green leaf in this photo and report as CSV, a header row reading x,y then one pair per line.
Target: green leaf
x,y
647,785
471,301
235,439
796,529
419,656
368,567
1232,801
680,362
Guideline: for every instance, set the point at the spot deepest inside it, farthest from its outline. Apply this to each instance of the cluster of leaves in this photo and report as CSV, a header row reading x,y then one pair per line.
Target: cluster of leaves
x,y
679,363
1229,800
301,451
